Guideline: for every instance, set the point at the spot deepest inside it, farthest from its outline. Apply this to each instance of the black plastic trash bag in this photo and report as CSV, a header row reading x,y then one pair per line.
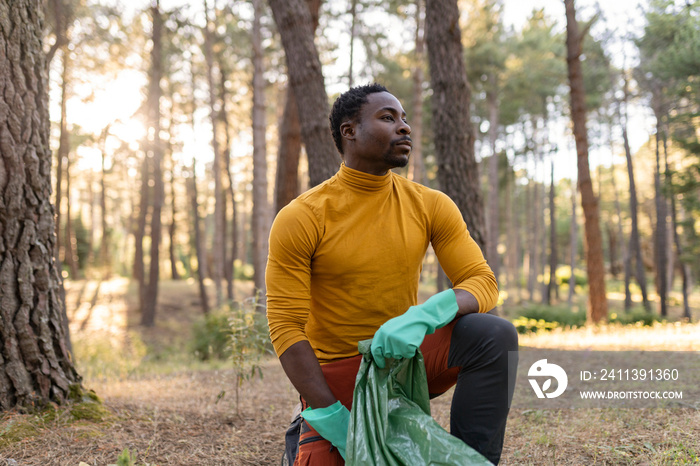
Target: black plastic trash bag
x,y
391,423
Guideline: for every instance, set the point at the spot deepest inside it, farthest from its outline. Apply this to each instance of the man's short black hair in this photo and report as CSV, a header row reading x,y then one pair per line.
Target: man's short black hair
x,y
347,106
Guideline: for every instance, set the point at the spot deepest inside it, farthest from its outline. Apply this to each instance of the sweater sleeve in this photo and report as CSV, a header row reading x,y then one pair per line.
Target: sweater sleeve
x,y
293,239
459,255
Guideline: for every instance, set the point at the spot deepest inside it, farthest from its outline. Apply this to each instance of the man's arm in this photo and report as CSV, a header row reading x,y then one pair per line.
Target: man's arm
x,y
466,301
303,370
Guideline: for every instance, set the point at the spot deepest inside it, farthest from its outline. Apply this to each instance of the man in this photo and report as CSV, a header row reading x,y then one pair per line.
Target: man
x,y
344,265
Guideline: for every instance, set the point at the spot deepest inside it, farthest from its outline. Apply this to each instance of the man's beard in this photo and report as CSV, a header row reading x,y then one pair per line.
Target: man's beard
x,y
395,160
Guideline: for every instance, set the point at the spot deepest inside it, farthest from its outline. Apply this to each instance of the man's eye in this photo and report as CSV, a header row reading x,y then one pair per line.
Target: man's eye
x,y
388,117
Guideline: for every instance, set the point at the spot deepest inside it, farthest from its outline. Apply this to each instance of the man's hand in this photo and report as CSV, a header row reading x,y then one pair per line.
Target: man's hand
x,y
401,336
332,423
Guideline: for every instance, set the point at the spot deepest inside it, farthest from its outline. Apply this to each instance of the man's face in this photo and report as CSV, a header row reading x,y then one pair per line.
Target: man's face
x,y
380,135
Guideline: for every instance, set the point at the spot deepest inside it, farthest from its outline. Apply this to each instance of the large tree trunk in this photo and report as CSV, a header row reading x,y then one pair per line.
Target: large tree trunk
x,y
416,169
295,26
218,252
155,147
289,150
458,172
597,300
261,215
35,364
287,176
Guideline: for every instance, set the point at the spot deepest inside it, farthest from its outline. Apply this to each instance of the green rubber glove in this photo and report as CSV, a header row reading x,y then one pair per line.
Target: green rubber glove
x,y
331,423
401,336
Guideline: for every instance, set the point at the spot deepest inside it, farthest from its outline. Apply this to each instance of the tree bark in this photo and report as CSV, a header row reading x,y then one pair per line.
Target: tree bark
x,y
295,26
35,364
458,172
155,147
289,150
597,300
287,176
261,214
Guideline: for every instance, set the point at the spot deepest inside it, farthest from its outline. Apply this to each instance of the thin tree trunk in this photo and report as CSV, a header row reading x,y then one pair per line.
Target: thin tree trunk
x,y
353,21
635,248
295,25
552,285
493,188
685,268
63,150
416,169
219,211
660,240
458,172
194,206
531,212
36,366
172,228
104,240
597,299
71,249
139,272
574,246
148,311
231,195
261,215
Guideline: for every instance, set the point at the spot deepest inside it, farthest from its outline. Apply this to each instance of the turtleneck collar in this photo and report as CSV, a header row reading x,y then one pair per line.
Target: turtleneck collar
x,y
361,180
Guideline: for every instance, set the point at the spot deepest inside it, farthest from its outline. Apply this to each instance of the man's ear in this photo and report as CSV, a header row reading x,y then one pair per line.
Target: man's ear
x,y
347,130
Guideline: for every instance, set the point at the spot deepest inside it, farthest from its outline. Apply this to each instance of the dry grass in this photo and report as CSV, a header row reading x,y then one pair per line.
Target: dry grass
x,y
171,411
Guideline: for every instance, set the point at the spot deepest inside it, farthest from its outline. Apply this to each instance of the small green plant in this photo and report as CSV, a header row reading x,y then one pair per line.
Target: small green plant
x,y
525,325
126,458
249,340
210,336
237,333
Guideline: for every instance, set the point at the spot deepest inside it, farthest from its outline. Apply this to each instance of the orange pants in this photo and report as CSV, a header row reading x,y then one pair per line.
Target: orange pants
x,y
340,376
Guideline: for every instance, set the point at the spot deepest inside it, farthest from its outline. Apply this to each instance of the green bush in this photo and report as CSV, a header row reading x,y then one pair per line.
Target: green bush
x,y
210,336
525,325
561,315
636,315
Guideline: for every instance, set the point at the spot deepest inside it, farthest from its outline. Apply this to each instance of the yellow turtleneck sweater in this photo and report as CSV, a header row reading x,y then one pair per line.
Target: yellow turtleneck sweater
x,y
346,256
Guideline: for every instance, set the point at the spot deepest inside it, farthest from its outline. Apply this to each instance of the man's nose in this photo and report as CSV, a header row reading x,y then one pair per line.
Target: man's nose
x,y
404,128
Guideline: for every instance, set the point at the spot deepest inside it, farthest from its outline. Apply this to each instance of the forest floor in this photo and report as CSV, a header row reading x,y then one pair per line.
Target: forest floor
x,y
167,409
